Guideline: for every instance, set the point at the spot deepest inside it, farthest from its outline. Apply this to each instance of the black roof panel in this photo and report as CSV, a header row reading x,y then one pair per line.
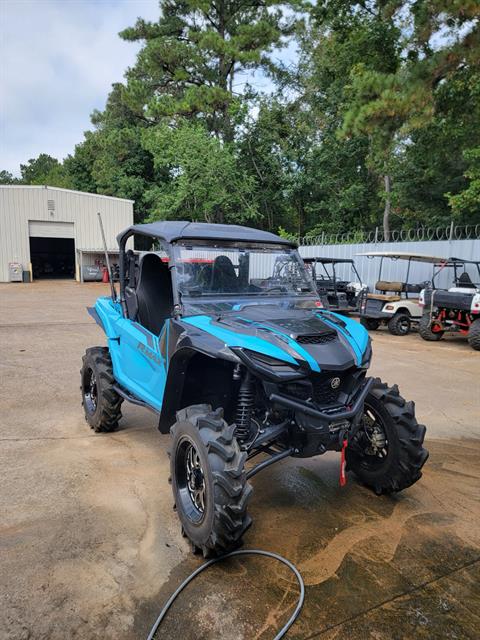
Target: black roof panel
x,y
328,260
171,230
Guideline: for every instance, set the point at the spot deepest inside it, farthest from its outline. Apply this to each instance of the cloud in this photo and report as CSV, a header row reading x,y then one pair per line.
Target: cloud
x,y
58,59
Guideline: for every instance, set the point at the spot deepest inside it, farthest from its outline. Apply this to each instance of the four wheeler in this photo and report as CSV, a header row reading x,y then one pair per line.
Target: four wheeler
x,y
456,309
237,360
336,294
397,303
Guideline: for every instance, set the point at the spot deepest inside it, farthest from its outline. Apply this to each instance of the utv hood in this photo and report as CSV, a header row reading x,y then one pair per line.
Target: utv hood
x,y
320,339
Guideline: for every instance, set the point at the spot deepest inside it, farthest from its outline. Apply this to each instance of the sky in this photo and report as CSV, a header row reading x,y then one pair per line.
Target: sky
x,y
58,59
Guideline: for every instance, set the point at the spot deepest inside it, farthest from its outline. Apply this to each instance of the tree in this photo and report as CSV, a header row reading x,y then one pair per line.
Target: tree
x,y
193,55
440,45
205,183
45,170
7,178
466,204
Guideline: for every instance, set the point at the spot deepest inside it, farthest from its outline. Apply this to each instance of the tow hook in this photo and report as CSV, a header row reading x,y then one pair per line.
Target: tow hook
x,y
344,443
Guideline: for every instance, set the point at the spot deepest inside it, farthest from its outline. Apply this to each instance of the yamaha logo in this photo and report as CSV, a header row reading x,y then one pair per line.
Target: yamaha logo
x,y
335,383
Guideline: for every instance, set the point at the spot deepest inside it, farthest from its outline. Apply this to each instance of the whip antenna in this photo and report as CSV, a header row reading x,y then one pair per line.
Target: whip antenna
x,y
107,259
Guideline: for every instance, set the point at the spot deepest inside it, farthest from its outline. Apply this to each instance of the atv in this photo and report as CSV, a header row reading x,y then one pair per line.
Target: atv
x,y
219,331
336,294
456,309
396,304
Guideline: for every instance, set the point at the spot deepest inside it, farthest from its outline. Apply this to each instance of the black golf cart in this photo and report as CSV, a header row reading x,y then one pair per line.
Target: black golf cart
x,y
336,293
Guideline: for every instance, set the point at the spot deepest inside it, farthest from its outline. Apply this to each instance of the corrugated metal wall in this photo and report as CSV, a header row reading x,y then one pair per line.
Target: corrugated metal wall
x,y
20,204
396,270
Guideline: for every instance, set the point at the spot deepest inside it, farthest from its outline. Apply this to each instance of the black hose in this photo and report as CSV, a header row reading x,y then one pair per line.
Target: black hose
x,y
241,552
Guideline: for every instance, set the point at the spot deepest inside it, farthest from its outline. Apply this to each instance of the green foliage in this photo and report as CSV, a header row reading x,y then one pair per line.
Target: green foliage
x,y
192,55
7,178
466,204
205,182
45,170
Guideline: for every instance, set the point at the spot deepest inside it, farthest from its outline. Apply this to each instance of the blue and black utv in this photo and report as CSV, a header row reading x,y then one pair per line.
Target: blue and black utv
x,y
219,330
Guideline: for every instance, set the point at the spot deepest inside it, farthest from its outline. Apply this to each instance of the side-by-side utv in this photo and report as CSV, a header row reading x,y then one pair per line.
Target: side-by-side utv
x,y
456,309
336,293
396,303
218,330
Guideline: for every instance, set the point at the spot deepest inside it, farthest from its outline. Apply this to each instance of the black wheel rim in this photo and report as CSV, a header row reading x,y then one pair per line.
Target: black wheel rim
x,y
372,440
190,481
90,391
403,325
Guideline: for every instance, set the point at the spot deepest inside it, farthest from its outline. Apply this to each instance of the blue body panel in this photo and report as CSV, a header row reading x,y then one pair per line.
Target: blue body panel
x,y
294,345
236,339
353,331
138,365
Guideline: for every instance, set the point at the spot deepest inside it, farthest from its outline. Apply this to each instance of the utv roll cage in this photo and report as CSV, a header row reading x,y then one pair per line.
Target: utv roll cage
x,y
336,294
406,288
170,232
332,261
460,263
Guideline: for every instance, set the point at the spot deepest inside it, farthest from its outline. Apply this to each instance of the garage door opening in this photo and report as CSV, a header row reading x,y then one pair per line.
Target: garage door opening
x,y
52,257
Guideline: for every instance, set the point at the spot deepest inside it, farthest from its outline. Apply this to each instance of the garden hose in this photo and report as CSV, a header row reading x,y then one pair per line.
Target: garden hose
x,y
241,552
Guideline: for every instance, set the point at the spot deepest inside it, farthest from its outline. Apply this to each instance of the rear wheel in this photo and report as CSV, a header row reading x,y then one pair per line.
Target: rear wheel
x,y
371,324
100,401
474,335
428,329
387,452
400,324
209,483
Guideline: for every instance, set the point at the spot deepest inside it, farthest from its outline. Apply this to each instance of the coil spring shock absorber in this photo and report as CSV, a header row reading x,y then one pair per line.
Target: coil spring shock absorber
x,y
245,404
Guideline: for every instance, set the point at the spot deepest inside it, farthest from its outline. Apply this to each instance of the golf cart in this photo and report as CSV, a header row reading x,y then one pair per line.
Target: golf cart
x,y
336,294
456,309
397,303
218,331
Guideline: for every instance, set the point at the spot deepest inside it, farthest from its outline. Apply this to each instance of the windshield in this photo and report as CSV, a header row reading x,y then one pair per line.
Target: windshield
x,y
240,270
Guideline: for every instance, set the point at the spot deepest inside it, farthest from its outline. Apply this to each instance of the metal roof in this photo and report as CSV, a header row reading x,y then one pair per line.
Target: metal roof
x,y
46,186
172,230
404,255
328,260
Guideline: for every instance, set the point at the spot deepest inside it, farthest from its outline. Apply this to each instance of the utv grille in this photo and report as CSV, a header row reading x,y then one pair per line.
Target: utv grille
x,y
319,338
323,392
319,389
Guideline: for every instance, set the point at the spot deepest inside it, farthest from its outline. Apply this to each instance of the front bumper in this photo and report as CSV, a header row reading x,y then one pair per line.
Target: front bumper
x,y
323,418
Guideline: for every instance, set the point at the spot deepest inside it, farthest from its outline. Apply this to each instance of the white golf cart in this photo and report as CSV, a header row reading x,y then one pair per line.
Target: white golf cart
x,y
395,304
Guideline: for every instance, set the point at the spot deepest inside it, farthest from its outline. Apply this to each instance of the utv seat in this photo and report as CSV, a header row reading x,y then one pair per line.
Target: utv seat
x,y
465,281
383,296
385,285
224,278
154,293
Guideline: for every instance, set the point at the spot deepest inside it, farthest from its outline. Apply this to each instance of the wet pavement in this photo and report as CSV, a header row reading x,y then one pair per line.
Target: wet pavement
x,y
90,546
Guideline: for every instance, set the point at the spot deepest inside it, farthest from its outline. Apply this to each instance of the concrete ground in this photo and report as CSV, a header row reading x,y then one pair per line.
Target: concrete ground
x,y
90,546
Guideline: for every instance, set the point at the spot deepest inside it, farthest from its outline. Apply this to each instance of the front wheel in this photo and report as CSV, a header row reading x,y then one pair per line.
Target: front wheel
x,y
387,452
400,324
473,336
101,403
209,483
428,330
371,324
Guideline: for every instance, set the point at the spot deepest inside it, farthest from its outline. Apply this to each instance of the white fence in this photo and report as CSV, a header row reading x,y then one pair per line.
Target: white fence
x,y
395,270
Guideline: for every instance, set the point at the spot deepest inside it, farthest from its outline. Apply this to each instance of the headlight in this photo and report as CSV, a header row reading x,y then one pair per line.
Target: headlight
x,y
268,367
367,356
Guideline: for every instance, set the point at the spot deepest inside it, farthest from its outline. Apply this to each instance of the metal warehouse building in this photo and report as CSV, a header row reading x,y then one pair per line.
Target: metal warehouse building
x,y
55,233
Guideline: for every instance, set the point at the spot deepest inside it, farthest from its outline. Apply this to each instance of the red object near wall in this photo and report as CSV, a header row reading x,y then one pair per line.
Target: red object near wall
x,y
105,277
